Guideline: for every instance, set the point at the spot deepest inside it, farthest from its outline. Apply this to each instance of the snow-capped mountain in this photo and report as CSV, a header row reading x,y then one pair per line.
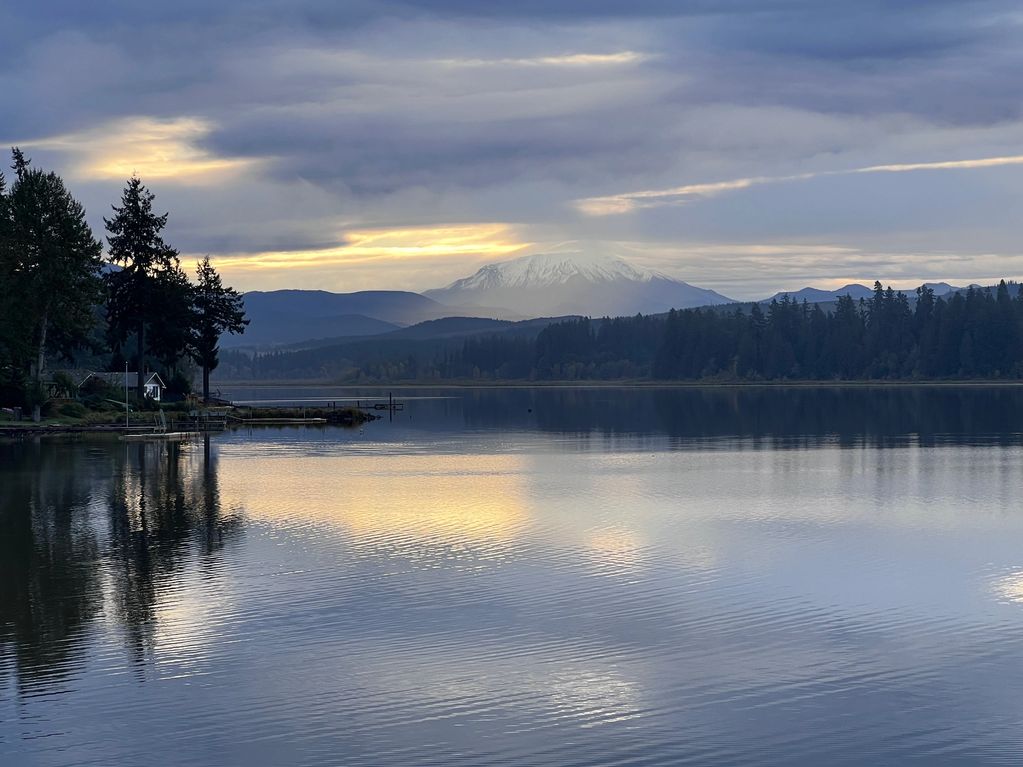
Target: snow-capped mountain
x,y
573,281
546,269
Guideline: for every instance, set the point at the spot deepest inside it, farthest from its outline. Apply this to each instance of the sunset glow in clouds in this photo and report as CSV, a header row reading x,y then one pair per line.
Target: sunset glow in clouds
x,y
157,150
485,242
738,146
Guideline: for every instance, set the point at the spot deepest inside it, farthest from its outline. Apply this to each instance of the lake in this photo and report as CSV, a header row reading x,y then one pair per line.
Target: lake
x,y
602,576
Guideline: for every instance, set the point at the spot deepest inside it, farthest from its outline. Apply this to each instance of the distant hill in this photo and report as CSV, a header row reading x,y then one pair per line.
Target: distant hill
x,y
943,288
341,358
455,327
274,329
435,330
857,291
284,317
450,327
281,317
574,281
395,306
819,296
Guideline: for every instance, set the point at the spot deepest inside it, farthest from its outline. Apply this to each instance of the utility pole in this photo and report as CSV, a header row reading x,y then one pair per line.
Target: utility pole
x,y
126,395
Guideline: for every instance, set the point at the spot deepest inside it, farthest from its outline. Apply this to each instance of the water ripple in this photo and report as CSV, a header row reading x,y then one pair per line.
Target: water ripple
x,y
510,600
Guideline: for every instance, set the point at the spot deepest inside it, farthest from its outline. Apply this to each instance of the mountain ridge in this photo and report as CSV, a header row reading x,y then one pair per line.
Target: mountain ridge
x,y
280,317
854,289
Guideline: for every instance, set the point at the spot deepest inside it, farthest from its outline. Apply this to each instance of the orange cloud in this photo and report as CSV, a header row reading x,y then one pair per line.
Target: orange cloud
x,y
392,244
168,150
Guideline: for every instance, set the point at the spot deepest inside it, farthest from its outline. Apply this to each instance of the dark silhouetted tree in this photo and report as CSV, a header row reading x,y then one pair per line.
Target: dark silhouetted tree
x,y
217,310
51,265
149,271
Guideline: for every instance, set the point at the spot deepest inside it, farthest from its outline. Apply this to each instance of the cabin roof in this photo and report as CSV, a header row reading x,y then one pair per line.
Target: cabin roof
x,y
118,378
78,376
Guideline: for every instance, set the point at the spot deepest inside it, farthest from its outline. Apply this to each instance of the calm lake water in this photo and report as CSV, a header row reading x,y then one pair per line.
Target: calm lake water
x,y
526,577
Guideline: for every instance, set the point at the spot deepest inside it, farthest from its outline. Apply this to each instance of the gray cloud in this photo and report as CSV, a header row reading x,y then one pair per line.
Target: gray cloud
x,y
334,117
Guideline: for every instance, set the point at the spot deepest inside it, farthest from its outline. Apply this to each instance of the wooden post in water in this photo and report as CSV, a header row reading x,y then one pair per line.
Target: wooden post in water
x,y
390,406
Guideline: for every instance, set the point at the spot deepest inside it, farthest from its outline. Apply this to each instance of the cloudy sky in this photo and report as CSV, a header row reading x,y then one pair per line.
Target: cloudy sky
x,y
742,145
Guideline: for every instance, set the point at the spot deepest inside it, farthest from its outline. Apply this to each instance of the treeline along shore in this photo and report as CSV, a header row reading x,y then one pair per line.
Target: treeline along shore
x,y
64,302
976,334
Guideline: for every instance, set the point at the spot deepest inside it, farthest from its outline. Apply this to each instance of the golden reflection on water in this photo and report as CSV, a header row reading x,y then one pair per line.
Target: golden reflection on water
x,y
616,549
444,499
1010,587
187,622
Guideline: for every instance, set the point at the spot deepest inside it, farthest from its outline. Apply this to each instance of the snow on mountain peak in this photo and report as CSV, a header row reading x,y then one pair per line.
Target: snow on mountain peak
x,y
573,278
556,268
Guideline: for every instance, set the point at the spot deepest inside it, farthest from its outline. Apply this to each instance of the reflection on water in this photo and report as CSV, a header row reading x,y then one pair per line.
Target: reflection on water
x,y
97,533
778,414
515,577
409,498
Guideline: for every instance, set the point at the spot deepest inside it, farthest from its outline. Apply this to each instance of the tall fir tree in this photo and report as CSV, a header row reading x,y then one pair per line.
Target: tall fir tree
x,y
149,270
8,368
217,310
169,338
51,266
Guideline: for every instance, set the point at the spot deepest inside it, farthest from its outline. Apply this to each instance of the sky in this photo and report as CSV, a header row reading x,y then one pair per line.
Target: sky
x,y
747,146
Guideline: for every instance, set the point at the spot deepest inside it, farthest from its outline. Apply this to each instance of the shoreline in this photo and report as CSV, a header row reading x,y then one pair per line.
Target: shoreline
x,y
262,416
626,384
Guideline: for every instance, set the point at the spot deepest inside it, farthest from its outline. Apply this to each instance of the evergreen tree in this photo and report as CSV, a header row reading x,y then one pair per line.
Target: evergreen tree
x,y
925,321
217,310
846,338
169,339
8,337
149,271
51,264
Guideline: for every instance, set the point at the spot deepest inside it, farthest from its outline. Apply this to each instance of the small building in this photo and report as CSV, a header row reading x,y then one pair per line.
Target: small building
x,y
153,385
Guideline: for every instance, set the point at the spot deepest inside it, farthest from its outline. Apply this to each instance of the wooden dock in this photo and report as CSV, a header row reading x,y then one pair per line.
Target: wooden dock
x,y
278,421
166,436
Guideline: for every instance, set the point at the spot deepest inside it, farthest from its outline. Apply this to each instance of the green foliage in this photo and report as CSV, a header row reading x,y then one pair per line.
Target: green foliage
x,y
179,386
63,386
72,410
97,394
49,275
171,307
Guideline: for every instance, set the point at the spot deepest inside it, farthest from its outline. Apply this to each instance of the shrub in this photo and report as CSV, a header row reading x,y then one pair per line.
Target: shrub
x,y
72,410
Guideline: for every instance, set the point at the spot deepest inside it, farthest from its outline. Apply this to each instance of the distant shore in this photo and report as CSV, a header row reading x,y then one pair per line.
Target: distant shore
x,y
622,384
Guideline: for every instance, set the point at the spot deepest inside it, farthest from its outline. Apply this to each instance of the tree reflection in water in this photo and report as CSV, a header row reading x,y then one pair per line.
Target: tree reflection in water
x,y
94,531
780,416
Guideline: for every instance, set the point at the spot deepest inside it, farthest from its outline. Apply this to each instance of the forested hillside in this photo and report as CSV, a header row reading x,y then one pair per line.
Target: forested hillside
x,y
977,333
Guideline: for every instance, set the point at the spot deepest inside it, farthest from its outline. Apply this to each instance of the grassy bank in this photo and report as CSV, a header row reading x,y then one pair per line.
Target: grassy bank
x,y
177,418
